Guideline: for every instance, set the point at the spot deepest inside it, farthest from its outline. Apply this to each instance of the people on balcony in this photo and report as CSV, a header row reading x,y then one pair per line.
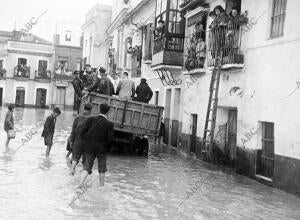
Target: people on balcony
x,y
197,48
160,29
21,70
235,21
220,18
201,52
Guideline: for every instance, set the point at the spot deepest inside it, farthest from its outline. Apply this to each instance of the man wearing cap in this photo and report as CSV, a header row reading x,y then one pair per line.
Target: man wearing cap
x,y
98,138
126,88
78,87
143,91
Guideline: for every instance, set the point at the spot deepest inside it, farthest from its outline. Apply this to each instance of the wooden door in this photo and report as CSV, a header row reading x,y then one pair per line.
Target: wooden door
x,y
175,121
193,137
167,116
231,133
20,98
1,95
41,98
60,97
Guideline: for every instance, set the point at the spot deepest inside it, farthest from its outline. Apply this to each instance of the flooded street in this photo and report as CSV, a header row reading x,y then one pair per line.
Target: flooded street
x,y
162,186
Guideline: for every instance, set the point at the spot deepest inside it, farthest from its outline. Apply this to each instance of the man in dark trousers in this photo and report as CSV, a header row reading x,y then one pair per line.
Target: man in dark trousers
x,y
49,128
76,141
143,91
78,87
98,137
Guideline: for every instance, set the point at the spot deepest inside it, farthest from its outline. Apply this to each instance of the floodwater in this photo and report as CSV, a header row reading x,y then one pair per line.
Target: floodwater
x,y
162,186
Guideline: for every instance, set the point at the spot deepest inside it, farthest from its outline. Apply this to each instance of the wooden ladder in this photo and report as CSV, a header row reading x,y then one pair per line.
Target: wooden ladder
x,y
211,114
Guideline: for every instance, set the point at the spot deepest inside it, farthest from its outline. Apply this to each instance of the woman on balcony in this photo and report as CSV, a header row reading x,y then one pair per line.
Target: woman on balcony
x,y
236,20
218,30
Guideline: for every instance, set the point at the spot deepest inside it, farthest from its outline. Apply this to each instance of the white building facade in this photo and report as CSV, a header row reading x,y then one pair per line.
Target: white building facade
x,y
94,35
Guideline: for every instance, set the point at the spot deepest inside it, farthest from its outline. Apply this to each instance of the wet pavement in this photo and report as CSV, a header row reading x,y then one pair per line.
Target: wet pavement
x,y
163,186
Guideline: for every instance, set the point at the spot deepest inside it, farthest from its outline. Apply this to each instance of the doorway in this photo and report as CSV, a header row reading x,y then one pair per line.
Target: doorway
x,y
1,95
20,97
267,154
231,134
156,97
60,97
41,95
193,137
175,121
167,115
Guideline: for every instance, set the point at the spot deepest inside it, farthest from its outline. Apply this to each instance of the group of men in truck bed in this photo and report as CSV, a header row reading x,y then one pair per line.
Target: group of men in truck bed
x,y
88,81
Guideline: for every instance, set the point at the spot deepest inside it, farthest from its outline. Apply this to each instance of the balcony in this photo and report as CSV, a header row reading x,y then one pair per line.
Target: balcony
x,y
226,39
22,71
2,73
168,51
42,75
63,74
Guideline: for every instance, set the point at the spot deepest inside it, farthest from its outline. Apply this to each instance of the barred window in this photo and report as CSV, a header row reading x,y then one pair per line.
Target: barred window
x,y
278,18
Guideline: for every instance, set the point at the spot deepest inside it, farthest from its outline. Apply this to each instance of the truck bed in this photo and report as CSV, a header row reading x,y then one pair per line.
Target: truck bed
x,y
128,116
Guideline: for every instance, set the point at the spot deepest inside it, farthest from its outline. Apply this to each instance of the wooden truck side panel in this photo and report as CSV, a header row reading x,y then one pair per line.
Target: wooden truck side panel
x,y
128,116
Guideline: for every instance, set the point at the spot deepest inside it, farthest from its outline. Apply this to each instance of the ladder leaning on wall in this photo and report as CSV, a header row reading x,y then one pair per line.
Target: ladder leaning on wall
x,y
211,114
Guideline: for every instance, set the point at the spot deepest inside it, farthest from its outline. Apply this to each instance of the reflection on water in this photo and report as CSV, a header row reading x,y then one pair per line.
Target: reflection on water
x,y
162,186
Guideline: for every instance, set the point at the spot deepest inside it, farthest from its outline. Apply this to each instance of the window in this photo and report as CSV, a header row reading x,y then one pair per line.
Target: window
x,y
22,61
267,154
278,18
230,4
168,26
42,68
68,36
1,64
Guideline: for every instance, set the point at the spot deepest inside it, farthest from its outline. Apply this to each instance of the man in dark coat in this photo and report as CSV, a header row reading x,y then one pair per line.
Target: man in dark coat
x,y
76,141
143,91
87,76
78,87
49,128
98,138
102,86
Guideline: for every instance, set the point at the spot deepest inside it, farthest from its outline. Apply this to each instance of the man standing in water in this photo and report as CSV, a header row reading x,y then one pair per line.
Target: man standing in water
x,y
75,138
98,137
49,128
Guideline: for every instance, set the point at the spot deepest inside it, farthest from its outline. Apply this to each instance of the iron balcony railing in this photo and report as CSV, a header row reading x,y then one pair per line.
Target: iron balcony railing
x,y
225,38
22,71
170,43
63,75
228,40
42,74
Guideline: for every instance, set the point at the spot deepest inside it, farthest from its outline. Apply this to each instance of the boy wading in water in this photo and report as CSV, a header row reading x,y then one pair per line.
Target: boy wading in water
x,y
49,128
98,137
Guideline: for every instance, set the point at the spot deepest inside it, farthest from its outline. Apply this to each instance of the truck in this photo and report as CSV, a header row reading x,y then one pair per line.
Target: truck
x,y
134,122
